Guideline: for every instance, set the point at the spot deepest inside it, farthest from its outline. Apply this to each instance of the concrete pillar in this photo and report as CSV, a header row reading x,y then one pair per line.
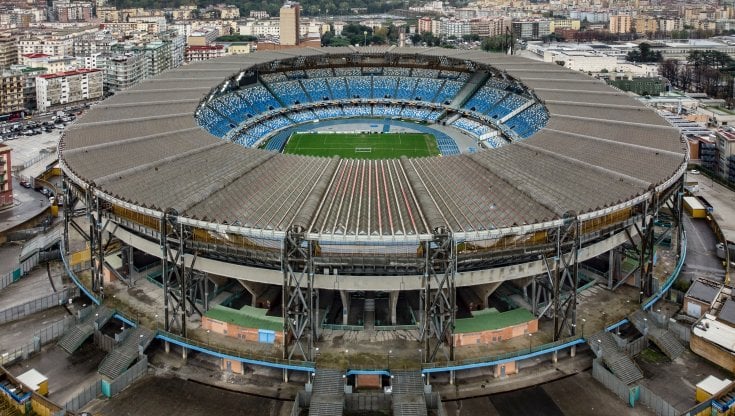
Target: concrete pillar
x,y
573,351
249,287
345,296
184,353
166,347
610,268
317,320
485,290
285,375
614,266
554,357
393,302
452,377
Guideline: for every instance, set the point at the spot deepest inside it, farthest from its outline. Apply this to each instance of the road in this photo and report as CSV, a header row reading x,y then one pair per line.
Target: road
x,y
701,260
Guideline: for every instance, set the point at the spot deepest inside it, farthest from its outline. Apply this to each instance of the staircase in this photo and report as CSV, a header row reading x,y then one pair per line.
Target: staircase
x,y
662,337
327,394
369,314
79,333
517,111
617,361
469,89
126,352
408,394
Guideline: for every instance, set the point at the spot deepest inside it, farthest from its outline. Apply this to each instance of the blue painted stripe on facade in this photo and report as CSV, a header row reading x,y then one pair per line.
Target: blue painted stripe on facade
x,y
235,358
504,360
368,372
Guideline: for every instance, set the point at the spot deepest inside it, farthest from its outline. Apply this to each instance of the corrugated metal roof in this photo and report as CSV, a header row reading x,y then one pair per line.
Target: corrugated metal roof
x,y
600,147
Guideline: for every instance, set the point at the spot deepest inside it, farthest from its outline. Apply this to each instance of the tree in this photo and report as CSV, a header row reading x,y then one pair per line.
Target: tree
x,y
644,54
498,43
669,69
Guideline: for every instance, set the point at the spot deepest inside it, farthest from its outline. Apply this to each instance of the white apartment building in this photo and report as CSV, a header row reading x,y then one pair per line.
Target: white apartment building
x,y
68,87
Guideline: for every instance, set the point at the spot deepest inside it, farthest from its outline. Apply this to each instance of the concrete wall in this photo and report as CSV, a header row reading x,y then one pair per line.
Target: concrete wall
x,y
347,282
235,366
235,331
489,337
505,369
368,381
713,353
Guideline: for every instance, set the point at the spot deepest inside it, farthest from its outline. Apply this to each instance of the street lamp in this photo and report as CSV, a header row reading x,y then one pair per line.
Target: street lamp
x,y
347,354
421,356
389,353
208,337
530,342
365,34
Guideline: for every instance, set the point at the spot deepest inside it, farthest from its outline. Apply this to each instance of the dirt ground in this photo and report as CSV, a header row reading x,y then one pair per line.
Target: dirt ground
x,y
155,396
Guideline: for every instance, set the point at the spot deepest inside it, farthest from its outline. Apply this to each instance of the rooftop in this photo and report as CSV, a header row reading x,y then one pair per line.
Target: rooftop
x,y
69,73
144,146
716,332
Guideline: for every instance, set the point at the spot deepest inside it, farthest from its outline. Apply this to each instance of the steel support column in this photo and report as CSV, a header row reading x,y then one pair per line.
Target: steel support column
x,y
298,298
96,245
648,243
440,298
566,277
178,277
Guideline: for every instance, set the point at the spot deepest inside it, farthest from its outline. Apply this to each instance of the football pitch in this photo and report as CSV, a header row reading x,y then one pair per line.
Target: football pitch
x,y
362,145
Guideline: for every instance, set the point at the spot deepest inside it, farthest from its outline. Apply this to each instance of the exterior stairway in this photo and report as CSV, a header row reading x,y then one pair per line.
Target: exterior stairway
x,y
79,333
126,352
408,394
663,338
327,394
603,343
369,314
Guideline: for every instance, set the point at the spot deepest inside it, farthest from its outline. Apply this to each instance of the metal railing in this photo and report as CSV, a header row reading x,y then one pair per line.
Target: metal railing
x,y
46,302
245,357
503,358
40,338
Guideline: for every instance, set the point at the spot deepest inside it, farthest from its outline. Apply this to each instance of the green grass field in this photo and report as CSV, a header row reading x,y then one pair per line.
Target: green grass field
x,y
363,146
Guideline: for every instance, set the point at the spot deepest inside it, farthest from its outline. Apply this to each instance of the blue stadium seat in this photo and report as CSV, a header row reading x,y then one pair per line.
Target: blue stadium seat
x,y
290,92
338,86
484,99
317,88
384,86
406,87
448,92
359,87
528,121
427,89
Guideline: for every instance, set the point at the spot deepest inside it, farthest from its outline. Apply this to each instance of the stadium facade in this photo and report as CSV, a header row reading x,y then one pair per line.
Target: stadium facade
x,y
172,167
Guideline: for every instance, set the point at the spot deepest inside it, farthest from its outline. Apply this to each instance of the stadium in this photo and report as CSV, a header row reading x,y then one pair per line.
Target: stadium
x,y
370,188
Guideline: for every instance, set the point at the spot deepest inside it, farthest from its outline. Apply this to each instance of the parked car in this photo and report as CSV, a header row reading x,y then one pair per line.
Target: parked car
x,y
25,184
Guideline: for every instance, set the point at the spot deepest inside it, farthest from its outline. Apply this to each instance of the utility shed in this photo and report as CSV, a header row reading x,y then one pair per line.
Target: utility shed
x,y
35,380
709,387
700,297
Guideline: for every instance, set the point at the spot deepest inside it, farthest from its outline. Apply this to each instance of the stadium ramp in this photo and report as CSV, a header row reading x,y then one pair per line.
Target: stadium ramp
x,y
126,352
469,89
408,394
93,318
619,362
327,394
664,339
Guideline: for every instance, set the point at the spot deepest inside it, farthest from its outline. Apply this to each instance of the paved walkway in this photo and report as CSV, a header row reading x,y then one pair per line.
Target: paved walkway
x,y
722,200
28,204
